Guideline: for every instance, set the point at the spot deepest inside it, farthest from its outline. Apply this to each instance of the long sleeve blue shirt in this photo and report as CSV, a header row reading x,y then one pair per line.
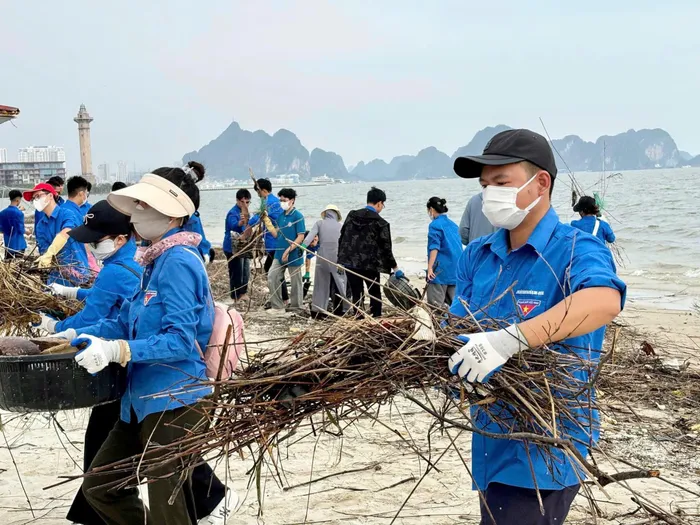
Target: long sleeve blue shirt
x,y
170,314
588,223
117,282
12,228
274,211
443,236
195,225
556,261
73,257
233,217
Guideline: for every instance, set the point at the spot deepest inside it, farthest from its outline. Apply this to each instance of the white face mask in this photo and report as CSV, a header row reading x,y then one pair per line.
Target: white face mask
x,y
103,249
149,223
500,207
285,205
40,203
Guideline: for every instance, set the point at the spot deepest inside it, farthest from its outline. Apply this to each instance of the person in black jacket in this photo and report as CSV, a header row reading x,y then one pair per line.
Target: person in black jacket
x,y
364,249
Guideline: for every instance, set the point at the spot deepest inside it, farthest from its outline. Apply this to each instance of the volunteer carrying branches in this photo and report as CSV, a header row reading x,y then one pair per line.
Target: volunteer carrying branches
x,y
158,335
548,283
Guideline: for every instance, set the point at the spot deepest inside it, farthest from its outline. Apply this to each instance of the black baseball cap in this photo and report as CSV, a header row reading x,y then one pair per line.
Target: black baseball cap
x,y
100,221
509,147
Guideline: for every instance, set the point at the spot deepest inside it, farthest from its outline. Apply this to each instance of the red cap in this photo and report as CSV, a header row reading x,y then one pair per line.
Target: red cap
x,y
43,186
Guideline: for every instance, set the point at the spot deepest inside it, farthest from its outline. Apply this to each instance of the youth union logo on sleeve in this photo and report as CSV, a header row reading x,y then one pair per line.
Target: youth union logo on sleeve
x,y
528,305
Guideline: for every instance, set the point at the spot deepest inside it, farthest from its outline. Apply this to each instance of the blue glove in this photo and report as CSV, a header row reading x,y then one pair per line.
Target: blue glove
x,y
399,274
485,353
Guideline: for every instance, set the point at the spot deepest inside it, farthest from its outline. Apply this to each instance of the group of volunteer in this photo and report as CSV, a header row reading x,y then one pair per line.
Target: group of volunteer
x,y
150,310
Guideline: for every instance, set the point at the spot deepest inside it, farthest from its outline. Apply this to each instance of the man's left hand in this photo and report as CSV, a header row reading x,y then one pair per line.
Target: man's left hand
x,y
485,353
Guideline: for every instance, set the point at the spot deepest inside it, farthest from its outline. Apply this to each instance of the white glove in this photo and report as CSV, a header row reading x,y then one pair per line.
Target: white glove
x,y
65,291
485,353
98,354
68,334
47,323
206,258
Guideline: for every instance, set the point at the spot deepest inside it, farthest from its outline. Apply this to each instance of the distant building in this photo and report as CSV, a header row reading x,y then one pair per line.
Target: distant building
x,y
122,171
14,174
42,154
3,154
103,173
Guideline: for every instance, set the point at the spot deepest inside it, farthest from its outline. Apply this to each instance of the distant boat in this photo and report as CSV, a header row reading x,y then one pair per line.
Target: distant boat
x,y
323,179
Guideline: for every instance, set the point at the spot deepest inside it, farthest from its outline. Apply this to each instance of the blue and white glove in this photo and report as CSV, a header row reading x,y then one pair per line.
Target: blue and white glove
x,y
485,353
399,274
98,354
47,324
68,334
69,292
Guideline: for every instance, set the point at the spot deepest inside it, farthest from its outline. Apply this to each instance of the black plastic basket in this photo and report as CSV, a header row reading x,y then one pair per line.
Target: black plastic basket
x,y
45,383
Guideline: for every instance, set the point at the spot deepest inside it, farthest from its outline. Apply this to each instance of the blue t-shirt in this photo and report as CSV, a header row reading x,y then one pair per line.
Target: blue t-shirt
x,y
443,236
85,208
289,226
510,286
12,228
588,224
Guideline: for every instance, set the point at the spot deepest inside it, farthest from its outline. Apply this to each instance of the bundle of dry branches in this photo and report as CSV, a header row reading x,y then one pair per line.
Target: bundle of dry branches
x,y
346,368
23,295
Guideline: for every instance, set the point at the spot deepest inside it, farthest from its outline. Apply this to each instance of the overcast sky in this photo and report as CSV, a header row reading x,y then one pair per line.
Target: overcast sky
x,y
365,79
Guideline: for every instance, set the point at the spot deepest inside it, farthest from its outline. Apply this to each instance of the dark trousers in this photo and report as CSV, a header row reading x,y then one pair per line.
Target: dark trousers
x,y
357,283
519,506
207,489
238,275
268,263
123,506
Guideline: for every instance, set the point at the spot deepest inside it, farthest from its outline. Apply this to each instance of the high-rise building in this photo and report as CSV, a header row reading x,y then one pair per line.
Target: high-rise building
x,y
122,171
103,172
42,154
3,154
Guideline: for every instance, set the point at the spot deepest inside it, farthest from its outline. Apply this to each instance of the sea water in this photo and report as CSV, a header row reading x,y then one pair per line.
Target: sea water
x,y
654,214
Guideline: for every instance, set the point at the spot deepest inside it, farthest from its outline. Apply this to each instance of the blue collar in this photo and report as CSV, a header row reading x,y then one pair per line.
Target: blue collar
x,y
371,208
499,241
71,204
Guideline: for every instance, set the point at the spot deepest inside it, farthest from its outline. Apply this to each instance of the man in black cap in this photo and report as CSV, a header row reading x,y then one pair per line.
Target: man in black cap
x,y
547,284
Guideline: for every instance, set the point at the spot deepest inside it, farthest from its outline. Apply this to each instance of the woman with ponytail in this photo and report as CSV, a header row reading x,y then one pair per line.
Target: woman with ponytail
x,y
196,170
444,250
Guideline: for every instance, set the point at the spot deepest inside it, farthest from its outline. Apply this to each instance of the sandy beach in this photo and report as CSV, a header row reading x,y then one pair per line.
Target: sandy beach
x,y
367,474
